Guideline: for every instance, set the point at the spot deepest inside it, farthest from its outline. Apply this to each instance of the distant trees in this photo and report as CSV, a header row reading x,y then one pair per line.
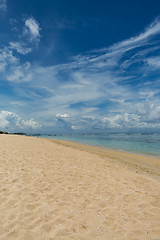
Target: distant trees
x,y
16,133
19,133
3,132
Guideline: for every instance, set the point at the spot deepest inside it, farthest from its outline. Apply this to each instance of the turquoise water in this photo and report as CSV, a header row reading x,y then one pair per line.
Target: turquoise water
x,y
137,143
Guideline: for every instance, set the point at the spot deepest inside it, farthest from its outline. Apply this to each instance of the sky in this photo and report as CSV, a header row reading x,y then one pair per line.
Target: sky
x,y
70,66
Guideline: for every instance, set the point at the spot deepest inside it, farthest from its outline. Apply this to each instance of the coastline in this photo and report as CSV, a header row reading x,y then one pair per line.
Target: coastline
x,y
60,190
143,144
139,162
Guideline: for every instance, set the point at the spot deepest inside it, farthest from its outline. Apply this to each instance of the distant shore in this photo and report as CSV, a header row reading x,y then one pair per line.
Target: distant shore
x,y
52,189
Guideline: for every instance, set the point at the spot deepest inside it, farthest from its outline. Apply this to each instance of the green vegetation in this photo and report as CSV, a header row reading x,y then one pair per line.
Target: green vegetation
x,y
19,133
3,132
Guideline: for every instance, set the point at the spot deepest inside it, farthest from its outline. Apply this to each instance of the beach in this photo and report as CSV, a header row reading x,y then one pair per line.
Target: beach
x,y
53,190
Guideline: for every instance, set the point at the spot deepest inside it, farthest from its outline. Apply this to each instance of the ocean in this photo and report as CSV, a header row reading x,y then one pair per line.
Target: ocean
x,y
136,143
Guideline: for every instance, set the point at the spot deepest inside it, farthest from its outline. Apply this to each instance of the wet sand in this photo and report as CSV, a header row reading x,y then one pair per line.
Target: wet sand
x,y
62,190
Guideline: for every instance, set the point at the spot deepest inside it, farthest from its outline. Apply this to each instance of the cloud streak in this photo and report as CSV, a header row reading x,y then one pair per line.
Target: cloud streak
x,y
152,30
20,48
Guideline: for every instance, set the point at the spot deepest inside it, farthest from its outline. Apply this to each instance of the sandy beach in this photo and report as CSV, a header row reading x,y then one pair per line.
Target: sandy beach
x,y
53,190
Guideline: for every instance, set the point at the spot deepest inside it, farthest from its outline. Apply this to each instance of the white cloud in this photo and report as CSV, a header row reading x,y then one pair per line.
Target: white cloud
x,y
19,74
11,67
28,39
3,5
109,58
32,29
31,123
154,62
95,84
119,122
149,111
7,58
152,30
10,63
11,121
123,121
17,103
65,115
78,127
20,48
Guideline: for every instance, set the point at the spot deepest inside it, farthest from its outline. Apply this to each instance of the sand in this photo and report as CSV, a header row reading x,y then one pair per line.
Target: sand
x,y
53,190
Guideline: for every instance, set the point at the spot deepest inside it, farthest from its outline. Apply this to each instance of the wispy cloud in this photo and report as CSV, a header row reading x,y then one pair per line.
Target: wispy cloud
x,y
3,5
28,38
11,67
10,56
20,73
20,47
6,58
32,29
153,62
103,81
100,90
150,31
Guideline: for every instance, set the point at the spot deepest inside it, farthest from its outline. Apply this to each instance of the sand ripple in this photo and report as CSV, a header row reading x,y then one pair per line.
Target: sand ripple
x,y
52,192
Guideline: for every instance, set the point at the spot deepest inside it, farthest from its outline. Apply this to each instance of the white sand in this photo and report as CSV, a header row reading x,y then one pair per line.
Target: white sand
x,y
59,190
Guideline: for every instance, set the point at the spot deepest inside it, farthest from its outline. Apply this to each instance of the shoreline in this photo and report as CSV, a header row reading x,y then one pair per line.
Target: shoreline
x,y
139,162
150,154
107,148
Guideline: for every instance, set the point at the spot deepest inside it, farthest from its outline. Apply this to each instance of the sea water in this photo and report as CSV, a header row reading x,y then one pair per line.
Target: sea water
x,y
136,143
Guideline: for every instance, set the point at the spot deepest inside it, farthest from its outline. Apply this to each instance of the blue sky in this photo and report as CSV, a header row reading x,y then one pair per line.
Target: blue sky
x,y
80,66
